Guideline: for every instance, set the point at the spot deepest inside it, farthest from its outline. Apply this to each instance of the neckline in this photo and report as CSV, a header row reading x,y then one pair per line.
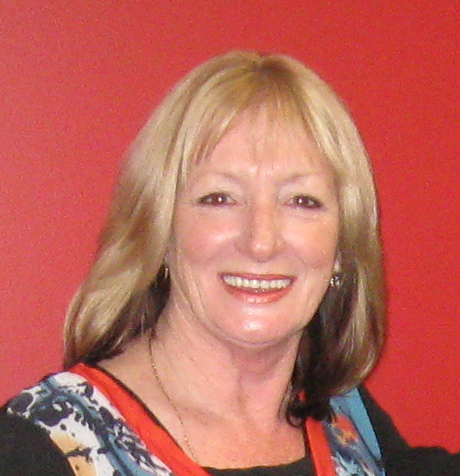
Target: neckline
x,y
133,395
160,442
157,421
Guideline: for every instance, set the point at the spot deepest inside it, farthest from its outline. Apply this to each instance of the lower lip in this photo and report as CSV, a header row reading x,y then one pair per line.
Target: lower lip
x,y
254,296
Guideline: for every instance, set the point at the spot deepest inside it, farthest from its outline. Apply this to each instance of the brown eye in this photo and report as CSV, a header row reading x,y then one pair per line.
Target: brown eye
x,y
305,201
216,199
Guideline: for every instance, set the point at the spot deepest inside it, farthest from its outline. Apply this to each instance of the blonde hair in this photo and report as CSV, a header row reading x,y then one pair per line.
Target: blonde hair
x,y
125,290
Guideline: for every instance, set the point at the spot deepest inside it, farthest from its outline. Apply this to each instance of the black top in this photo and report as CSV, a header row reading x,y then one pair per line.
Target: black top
x,y
303,467
26,450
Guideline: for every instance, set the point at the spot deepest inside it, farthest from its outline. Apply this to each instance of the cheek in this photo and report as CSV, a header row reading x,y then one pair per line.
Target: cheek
x,y
318,246
198,238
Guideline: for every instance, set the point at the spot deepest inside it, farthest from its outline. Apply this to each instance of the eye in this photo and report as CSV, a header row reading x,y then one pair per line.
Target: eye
x,y
216,199
305,201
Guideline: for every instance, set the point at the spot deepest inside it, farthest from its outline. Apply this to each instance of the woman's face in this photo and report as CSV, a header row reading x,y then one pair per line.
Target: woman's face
x,y
254,238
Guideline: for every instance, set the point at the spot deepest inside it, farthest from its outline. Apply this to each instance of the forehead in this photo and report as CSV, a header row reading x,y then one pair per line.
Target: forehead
x,y
258,141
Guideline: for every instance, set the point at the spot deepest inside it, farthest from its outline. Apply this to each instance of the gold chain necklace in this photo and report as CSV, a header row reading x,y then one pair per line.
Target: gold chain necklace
x,y
171,403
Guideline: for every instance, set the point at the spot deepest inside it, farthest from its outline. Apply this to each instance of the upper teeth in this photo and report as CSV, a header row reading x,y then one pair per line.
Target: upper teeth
x,y
238,282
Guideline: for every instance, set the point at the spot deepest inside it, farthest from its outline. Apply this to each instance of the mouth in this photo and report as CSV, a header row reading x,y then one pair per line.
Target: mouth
x,y
256,288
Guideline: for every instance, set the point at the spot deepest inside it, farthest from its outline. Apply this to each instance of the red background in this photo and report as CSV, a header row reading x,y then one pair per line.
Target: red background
x,y
79,78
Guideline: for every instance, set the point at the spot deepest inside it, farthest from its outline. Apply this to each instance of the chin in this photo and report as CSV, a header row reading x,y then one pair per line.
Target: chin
x,y
256,335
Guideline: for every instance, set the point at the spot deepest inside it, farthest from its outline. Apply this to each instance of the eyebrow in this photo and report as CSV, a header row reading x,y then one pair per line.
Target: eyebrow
x,y
237,177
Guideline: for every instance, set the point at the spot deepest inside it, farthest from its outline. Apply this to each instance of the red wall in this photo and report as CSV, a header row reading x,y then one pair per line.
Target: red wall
x,y
78,79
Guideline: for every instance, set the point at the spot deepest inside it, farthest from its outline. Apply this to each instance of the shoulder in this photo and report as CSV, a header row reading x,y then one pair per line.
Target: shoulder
x,y
64,406
58,391
26,448
399,457
352,437
82,425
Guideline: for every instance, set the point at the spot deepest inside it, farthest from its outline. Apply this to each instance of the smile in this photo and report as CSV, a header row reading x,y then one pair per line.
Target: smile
x,y
261,285
258,289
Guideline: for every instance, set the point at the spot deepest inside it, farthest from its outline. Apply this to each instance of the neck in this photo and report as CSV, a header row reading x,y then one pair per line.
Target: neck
x,y
224,378
223,403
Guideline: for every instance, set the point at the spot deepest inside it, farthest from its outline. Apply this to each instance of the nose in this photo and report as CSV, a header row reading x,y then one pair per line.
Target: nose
x,y
263,232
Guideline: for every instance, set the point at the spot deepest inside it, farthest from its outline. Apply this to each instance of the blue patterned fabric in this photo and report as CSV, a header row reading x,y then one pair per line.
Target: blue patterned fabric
x,y
353,443
89,431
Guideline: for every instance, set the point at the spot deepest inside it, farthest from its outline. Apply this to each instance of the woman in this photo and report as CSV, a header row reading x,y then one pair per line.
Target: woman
x,y
235,304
